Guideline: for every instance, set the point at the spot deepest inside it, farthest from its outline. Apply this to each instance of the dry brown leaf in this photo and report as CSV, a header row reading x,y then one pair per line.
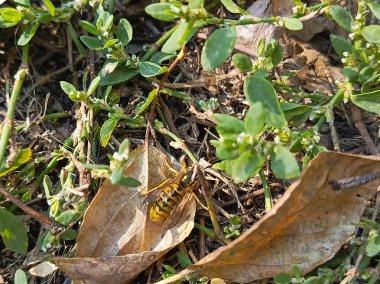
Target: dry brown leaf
x,y
117,239
43,269
305,228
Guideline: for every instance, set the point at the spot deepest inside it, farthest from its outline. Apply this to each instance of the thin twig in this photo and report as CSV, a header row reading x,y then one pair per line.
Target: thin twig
x,y
44,220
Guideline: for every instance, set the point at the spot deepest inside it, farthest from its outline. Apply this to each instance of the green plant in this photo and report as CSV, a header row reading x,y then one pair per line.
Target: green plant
x,y
233,229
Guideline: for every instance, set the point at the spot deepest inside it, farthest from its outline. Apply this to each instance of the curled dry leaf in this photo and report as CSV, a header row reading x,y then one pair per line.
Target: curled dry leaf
x,y
117,239
43,269
305,228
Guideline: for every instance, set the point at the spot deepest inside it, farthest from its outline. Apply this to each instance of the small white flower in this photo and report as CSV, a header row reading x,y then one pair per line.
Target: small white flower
x,y
344,60
351,36
358,16
346,53
277,139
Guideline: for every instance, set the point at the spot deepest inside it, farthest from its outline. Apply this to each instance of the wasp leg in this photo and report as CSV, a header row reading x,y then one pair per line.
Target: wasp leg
x,y
158,186
200,203
169,167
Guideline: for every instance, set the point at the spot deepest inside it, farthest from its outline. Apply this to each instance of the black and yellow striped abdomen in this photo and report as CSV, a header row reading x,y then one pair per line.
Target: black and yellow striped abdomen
x,y
170,196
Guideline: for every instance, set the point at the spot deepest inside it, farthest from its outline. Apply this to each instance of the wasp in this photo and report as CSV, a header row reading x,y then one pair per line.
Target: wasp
x,y
168,194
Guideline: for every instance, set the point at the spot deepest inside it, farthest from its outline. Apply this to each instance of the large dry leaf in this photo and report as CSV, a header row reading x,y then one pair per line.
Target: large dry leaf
x,y
117,239
305,228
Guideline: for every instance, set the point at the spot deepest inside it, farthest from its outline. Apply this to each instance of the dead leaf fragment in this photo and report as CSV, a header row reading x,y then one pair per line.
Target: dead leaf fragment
x,y
43,269
117,240
305,228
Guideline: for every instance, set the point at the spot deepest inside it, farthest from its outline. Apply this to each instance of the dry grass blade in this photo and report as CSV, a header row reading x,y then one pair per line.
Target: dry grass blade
x,y
305,228
117,240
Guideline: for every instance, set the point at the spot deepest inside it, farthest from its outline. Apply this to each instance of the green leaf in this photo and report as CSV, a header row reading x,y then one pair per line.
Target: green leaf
x,y
180,37
183,259
94,84
161,11
110,42
67,217
373,246
283,163
296,114
247,165
218,47
282,278
23,155
340,44
142,107
372,33
277,54
259,90
375,9
129,182
107,129
293,24
20,277
351,73
227,124
261,47
68,88
92,29
342,17
92,42
196,4
242,62
69,235
255,119
160,57
50,7
23,3
232,7
368,101
9,17
124,31
120,75
13,232
150,69
27,33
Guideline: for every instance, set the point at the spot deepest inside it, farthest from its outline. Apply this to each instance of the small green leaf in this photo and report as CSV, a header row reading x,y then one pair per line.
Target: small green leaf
x,y
282,278
27,34
375,9
283,163
261,47
92,42
351,73
110,42
107,129
23,155
296,114
196,4
68,88
212,54
20,277
67,217
92,29
161,11
142,107
227,124
247,165
293,24
160,57
342,17
373,246
94,84
9,17
120,75
372,33
259,90
368,101
242,62
23,3
150,69
13,232
255,119
232,7
183,259
116,176
50,7
180,37
124,31
129,182
340,44
69,235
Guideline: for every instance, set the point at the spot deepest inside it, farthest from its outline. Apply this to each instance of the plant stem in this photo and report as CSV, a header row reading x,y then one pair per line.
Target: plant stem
x,y
267,194
153,49
8,122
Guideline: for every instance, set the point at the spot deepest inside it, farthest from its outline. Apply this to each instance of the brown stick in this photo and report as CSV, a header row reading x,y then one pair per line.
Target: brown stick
x,y
44,220
358,121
